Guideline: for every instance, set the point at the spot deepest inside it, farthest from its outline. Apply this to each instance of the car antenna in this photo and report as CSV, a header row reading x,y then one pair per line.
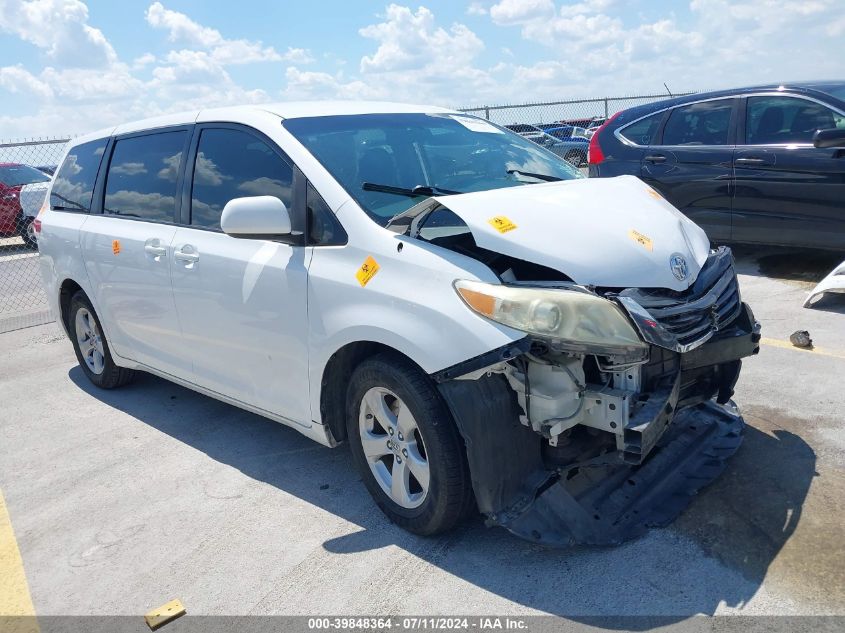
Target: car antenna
x,y
667,89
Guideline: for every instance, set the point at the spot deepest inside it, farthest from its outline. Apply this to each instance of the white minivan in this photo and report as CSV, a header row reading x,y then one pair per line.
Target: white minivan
x,y
486,328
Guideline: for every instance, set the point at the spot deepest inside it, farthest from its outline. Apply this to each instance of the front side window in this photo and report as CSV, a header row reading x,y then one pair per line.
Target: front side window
x,y
779,120
73,188
324,229
641,132
436,153
141,180
234,164
704,123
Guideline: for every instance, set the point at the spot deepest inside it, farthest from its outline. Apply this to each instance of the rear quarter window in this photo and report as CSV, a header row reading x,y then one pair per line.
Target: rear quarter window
x,y
73,187
641,132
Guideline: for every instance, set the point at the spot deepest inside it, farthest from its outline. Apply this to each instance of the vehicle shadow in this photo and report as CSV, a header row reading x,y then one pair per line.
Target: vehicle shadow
x,y
786,264
717,553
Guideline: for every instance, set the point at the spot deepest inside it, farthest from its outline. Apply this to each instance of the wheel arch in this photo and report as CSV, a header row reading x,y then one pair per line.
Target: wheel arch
x,y
335,380
67,289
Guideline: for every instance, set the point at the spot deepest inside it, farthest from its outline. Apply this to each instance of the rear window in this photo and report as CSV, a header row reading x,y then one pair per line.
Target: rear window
x,y
141,181
73,187
641,132
19,175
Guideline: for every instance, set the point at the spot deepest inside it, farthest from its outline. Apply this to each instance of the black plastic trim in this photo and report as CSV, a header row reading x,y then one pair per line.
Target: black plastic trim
x,y
498,355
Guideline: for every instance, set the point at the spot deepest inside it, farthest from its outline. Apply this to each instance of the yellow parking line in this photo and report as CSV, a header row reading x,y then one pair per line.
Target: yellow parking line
x,y
773,342
14,591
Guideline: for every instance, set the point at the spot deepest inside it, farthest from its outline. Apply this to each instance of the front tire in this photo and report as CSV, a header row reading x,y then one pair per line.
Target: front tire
x,y
91,347
406,446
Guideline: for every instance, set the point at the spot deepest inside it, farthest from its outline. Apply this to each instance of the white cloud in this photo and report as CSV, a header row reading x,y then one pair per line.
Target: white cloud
x,y
59,28
18,79
476,8
586,48
592,50
183,29
518,11
412,40
320,85
143,60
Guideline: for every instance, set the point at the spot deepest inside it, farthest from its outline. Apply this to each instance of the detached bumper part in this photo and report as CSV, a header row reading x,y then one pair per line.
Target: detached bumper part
x,y
679,431
834,282
627,500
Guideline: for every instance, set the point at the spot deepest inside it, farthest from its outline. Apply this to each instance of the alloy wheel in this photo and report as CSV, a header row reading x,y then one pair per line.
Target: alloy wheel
x,y
90,341
393,447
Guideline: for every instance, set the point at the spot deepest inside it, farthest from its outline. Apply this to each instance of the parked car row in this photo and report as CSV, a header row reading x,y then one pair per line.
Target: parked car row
x,y
22,192
571,149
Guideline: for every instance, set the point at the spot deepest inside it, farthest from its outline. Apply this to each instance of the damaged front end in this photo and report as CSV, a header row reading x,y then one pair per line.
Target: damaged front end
x,y
577,442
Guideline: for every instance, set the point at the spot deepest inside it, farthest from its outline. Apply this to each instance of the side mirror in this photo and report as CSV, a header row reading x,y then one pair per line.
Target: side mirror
x,y
257,217
834,137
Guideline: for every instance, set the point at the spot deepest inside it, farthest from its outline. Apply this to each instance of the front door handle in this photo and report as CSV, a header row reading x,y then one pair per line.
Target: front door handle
x,y
157,251
153,248
655,158
187,254
750,161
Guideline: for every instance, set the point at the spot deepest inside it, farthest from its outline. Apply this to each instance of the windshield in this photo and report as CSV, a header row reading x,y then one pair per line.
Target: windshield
x,y
422,154
15,175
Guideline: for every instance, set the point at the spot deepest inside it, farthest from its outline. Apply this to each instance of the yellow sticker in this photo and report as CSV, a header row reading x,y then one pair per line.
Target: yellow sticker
x,y
115,246
642,240
502,224
654,194
367,271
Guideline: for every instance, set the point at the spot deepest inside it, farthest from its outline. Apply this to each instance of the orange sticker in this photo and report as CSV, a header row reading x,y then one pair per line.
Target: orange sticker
x,y
367,271
654,194
115,246
642,240
502,224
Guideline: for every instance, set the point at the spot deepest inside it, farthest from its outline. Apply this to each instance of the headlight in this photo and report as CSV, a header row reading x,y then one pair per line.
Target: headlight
x,y
572,319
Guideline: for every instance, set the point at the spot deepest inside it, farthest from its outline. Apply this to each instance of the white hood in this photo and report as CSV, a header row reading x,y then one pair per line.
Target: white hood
x,y
615,232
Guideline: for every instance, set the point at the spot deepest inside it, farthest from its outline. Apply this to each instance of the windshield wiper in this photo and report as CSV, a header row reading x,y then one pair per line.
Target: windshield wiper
x,y
529,174
419,190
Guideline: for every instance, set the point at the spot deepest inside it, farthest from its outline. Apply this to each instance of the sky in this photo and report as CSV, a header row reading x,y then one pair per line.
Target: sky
x,y
69,66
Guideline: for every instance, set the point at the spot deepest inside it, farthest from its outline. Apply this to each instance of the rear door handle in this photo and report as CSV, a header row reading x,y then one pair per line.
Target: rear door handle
x,y
750,161
655,158
190,255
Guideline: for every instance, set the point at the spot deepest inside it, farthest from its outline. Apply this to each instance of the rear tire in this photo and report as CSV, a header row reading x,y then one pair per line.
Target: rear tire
x,y
91,347
406,446
28,233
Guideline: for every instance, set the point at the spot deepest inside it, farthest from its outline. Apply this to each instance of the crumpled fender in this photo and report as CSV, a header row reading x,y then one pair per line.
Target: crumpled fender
x,y
834,282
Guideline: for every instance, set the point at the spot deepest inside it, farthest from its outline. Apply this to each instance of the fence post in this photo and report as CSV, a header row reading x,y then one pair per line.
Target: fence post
x,y
606,111
487,113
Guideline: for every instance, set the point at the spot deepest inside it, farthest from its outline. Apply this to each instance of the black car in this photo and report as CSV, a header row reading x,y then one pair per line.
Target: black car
x,y
741,163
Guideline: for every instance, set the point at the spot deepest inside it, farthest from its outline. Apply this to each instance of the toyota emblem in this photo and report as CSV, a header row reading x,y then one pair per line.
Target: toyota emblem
x,y
678,264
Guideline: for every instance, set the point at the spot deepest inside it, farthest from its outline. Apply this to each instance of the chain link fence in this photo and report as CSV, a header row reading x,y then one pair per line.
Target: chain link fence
x,y
563,127
26,168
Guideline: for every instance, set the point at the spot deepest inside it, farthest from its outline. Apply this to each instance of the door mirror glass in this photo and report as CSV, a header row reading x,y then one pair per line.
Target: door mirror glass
x,y
834,137
257,217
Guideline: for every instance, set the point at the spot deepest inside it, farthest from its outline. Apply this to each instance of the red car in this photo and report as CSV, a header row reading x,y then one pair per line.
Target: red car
x,y
13,176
